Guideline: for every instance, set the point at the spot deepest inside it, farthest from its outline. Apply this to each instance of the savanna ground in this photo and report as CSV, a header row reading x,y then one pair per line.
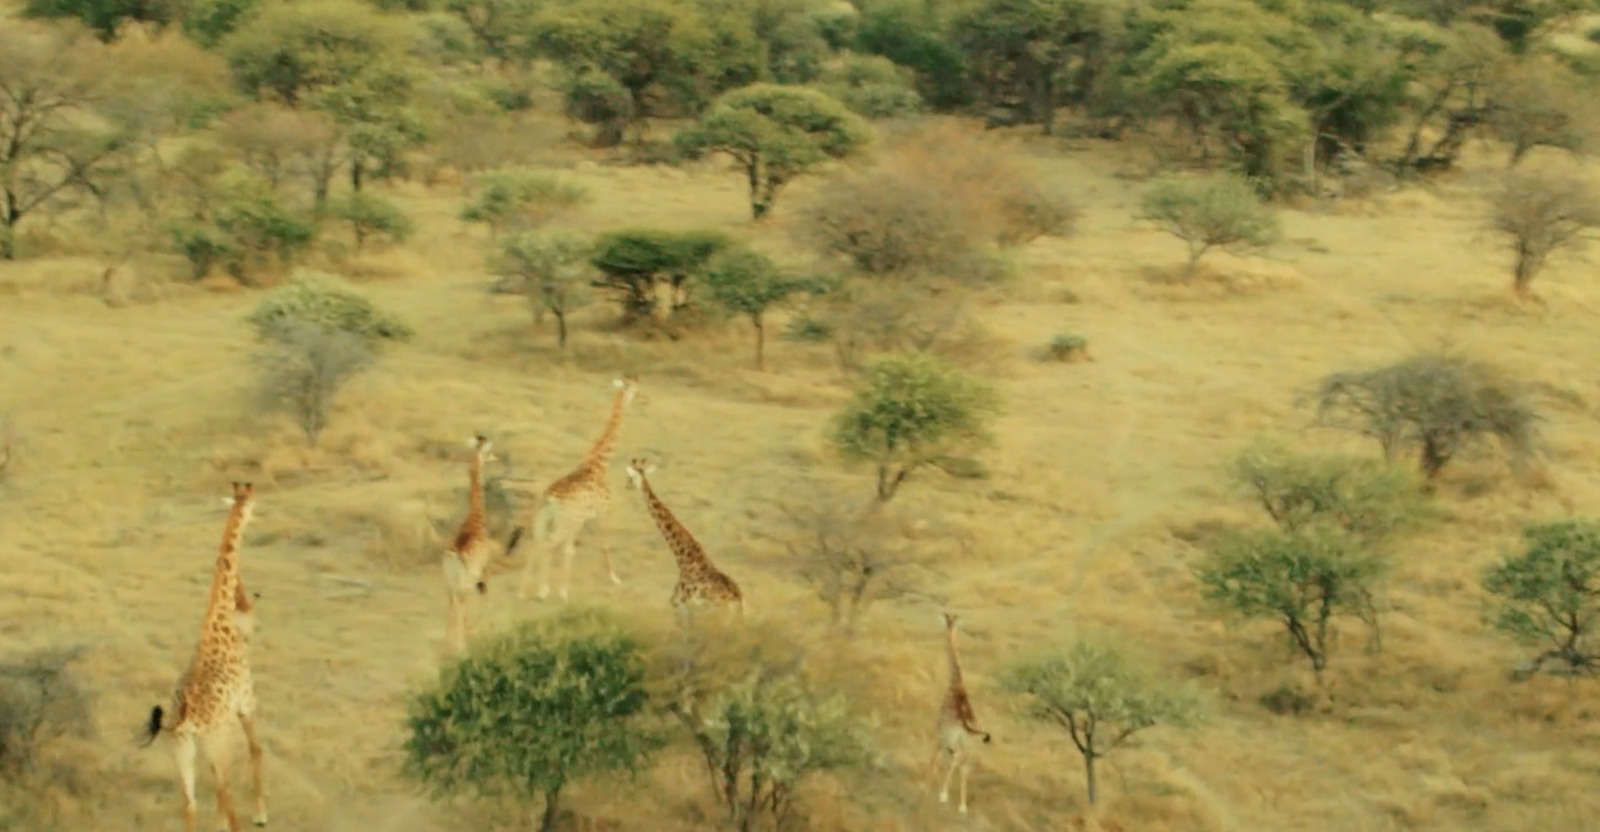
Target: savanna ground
x,y
135,415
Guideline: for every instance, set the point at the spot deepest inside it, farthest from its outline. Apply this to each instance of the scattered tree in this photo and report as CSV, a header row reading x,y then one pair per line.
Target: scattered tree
x,y
1441,405
746,282
884,223
634,262
519,198
1544,212
303,368
852,558
910,412
761,728
1538,104
51,141
1101,696
370,214
323,300
1303,579
1550,594
553,270
281,145
775,133
1367,498
106,17
533,710
1208,212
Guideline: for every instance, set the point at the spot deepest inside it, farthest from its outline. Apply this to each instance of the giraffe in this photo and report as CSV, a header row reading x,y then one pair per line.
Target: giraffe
x,y
956,723
217,684
699,581
579,499
468,554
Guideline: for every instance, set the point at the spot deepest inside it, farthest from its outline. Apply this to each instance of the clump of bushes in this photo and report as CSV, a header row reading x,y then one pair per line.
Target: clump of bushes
x,y
1067,346
315,298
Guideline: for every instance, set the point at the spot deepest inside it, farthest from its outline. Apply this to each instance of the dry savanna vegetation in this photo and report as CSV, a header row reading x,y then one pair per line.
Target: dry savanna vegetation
x,y
1227,367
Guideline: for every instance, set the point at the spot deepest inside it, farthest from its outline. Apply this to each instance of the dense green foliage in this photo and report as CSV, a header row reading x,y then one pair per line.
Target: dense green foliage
x,y
910,412
1549,594
533,710
329,303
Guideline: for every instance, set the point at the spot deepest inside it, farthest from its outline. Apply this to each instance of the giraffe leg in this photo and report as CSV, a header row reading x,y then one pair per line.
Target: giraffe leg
x,y
185,752
944,789
249,722
568,550
933,764
455,627
966,766
217,754
605,558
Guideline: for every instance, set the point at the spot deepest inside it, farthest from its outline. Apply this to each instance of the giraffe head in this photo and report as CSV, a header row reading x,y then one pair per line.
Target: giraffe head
x,y
244,499
483,447
638,469
950,620
629,387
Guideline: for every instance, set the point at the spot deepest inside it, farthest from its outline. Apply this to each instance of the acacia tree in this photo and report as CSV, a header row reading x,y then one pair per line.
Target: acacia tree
x,y
746,282
775,133
48,92
1550,594
531,711
1101,697
1367,498
1303,579
1209,212
553,269
1440,405
911,412
1543,212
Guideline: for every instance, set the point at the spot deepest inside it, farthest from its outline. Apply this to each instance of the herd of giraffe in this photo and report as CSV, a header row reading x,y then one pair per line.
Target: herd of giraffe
x,y
217,686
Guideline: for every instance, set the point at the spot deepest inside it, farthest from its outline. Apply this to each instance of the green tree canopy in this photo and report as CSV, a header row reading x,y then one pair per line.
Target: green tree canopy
x,y
776,133
527,713
911,411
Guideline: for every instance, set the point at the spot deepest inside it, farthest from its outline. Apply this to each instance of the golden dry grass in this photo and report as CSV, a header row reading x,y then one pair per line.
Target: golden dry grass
x,y
134,417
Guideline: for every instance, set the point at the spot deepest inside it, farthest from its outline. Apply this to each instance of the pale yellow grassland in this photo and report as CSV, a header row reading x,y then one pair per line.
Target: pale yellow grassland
x,y
136,416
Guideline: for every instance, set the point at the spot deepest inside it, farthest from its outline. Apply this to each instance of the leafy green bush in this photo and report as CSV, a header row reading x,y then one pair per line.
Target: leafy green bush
x,y
873,86
530,711
765,735
912,411
1101,696
746,282
323,300
1208,212
1550,594
371,214
1067,346
520,198
1366,498
552,269
1303,579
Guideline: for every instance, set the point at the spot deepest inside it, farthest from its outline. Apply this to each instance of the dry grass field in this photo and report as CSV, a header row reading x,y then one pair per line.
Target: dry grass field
x,y
134,415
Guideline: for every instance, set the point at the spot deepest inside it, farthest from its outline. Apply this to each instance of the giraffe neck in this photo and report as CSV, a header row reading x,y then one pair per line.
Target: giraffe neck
x,y
955,659
600,453
685,549
225,588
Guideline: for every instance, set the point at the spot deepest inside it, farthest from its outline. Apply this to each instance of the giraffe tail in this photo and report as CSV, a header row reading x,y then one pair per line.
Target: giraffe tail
x,y
516,537
153,726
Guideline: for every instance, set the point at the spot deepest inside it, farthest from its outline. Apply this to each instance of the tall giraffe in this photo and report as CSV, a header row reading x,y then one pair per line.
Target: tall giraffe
x,y
469,553
217,684
699,581
956,723
579,499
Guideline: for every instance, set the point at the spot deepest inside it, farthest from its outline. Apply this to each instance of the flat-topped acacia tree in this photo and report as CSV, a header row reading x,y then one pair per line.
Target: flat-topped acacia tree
x,y
775,133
